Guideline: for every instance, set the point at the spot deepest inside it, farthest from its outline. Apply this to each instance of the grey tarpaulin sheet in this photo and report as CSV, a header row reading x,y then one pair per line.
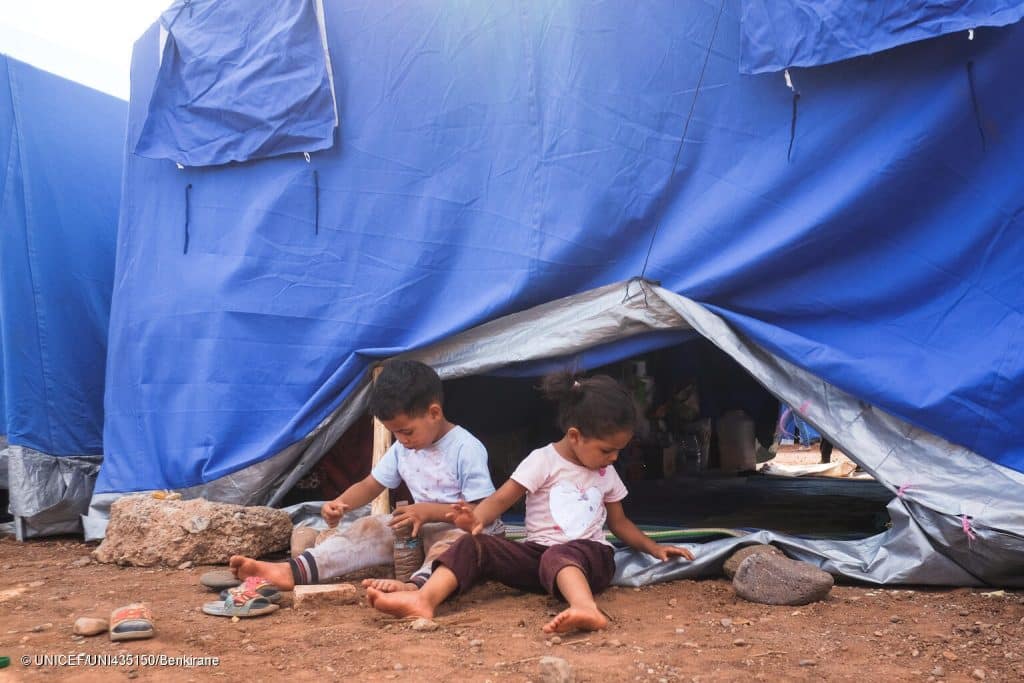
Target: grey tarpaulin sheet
x,y
947,494
48,494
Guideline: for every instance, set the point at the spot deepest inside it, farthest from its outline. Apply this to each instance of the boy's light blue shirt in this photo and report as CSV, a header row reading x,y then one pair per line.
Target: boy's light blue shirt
x,y
451,469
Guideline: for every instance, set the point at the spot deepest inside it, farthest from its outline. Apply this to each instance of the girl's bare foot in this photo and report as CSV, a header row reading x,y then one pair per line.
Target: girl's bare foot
x,y
400,604
277,573
577,618
389,585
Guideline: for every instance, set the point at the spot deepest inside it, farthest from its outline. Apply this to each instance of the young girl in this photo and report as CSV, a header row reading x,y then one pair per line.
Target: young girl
x,y
571,490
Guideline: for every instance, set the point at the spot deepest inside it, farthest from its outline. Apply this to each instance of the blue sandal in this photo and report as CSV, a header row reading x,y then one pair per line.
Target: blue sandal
x,y
255,584
242,605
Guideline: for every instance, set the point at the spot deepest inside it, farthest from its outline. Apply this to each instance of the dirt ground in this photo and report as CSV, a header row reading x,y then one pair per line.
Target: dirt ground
x,y
679,631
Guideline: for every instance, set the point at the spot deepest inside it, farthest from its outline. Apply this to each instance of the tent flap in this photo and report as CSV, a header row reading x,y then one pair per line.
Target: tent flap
x,y
777,35
240,80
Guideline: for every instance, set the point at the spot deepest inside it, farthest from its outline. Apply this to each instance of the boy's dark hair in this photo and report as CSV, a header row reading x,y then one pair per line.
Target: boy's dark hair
x,y
598,406
404,386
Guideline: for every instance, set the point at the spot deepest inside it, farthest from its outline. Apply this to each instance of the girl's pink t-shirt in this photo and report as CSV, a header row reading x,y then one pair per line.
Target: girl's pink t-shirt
x,y
565,501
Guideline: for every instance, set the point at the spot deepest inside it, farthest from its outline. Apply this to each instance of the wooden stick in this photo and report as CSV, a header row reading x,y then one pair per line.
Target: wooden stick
x,y
381,443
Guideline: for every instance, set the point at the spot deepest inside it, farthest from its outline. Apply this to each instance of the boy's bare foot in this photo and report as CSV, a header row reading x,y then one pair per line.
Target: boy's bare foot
x,y
400,604
577,618
277,573
389,585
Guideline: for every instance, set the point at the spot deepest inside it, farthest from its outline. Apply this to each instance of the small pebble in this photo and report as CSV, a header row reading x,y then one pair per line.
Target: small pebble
x,y
808,662
399,666
727,622
979,674
739,642
949,655
423,624
476,642
895,619
672,602
185,565
89,626
556,640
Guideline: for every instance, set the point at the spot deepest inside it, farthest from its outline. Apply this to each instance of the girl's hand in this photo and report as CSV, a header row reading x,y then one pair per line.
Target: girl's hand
x,y
333,511
462,516
665,552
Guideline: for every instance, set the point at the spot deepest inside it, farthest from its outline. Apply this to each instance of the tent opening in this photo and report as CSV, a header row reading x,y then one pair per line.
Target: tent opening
x,y
706,431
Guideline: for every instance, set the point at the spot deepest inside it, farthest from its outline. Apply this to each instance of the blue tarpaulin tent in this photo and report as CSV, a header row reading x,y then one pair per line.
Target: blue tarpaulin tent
x,y
851,229
61,147
494,156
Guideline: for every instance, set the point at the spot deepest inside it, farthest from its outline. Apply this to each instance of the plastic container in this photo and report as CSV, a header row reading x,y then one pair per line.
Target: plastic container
x,y
737,444
408,550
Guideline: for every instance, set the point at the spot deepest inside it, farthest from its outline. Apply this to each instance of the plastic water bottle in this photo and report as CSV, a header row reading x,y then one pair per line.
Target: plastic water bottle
x,y
408,550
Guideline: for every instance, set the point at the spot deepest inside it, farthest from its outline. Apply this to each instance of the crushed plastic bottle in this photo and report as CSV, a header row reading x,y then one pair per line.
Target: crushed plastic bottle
x,y
408,550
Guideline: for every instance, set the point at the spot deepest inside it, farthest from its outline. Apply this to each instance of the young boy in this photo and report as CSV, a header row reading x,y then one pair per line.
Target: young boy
x,y
440,463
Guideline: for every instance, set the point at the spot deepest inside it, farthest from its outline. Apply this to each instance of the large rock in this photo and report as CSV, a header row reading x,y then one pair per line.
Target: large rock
x,y
734,561
773,580
145,532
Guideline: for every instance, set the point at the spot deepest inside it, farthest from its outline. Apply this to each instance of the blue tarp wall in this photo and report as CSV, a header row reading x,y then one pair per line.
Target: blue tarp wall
x,y
492,156
61,151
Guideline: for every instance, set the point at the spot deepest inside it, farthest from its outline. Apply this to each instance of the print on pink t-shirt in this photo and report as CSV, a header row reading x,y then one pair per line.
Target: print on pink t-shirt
x,y
565,501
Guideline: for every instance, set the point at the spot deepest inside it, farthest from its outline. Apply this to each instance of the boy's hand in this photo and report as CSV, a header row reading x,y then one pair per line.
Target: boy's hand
x,y
462,516
665,552
333,511
406,515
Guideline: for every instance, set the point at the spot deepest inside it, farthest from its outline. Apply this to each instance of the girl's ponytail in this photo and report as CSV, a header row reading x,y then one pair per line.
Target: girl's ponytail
x,y
597,406
562,387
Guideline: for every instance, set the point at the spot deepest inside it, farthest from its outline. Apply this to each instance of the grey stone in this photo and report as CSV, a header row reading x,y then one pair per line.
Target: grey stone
x,y
423,624
83,561
734,561
555,670
90,626
776,580
146,532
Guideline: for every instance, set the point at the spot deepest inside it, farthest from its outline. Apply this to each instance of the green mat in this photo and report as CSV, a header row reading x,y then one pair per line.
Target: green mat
x,y
657,533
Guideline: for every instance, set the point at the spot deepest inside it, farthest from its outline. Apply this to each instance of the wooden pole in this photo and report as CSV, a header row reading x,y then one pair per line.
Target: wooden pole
x,y
381,443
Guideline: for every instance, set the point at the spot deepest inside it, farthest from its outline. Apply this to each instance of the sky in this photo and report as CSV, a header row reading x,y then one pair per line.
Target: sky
x,y
89,42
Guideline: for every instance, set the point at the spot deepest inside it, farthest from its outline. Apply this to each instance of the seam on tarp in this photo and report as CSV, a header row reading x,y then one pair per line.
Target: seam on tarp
x,y
40,318
533,109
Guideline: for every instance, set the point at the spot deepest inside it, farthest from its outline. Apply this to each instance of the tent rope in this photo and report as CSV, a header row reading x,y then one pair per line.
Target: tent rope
x,y
974,104
316,202
792,120
686,127
188,197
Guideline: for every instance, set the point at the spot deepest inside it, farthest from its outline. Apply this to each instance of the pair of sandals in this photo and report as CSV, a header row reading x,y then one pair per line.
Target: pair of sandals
x,y
253,598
